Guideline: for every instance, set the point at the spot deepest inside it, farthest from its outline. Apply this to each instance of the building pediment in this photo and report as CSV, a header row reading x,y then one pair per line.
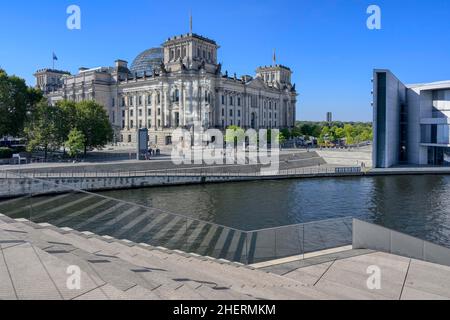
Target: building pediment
x,y
257,83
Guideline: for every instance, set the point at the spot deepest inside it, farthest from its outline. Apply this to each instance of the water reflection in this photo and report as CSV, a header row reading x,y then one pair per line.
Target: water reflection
x,y
417,205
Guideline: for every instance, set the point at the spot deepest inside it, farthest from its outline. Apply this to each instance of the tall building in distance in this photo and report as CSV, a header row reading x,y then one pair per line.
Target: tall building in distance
x,y
329,117
411,122
177,85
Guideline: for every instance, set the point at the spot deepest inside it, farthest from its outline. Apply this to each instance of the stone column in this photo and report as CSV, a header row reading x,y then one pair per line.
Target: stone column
x,y
165,108
182,105
155,109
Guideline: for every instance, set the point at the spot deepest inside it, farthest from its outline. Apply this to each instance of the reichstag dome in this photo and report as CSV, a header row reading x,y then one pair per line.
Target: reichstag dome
x,y
147,61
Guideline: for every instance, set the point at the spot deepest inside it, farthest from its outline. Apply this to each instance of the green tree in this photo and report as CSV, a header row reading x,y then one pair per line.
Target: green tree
x,y
16,100
286,133
234,134
296,132
281,138
75,143
40,130
65,120
93,122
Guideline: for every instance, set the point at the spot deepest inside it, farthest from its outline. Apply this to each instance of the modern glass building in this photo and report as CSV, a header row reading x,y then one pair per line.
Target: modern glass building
x,y
411,122
147,61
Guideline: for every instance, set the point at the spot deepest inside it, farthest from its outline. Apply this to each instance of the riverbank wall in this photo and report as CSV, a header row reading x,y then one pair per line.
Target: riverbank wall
x,y
17,186
13,185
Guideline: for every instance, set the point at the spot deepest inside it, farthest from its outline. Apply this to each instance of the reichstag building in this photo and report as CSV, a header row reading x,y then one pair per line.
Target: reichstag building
x,y
175,86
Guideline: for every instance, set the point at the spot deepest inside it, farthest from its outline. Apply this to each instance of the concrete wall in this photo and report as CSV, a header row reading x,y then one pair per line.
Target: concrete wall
x,y
20,187
387,134
415,154
373,237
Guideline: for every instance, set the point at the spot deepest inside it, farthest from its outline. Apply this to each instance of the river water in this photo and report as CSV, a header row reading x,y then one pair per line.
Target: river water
x,y
416,205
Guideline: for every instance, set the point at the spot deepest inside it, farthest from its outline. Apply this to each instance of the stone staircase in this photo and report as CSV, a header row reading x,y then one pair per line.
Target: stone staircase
x,y
110,217
35,257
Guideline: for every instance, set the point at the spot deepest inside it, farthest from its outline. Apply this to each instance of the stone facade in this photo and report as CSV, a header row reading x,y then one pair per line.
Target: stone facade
x,y
188,87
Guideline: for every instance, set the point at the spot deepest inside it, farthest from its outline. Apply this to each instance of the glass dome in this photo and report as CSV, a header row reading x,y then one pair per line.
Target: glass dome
x,y
147,61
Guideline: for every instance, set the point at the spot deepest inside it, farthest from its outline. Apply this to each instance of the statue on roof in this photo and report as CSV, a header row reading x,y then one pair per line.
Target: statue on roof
x,y
163,68
219,69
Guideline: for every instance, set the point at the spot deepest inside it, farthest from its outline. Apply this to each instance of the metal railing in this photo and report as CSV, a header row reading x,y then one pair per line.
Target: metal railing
x,y
103,215
188,172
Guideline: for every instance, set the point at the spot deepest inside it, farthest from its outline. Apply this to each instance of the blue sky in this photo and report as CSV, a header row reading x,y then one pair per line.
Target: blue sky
x,y
325,42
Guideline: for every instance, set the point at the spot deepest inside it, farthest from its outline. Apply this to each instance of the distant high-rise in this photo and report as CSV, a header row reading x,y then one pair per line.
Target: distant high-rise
x,y
329,117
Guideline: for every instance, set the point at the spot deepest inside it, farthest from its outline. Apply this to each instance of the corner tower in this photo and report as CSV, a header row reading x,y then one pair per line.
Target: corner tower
x,y
190,51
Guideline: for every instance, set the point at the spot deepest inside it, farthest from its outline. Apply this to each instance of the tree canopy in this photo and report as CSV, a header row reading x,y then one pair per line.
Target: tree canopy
x,y
68,124
16,101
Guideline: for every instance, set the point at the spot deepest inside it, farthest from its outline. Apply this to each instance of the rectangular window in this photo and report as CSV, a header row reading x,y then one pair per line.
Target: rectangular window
x,y
239,113
149,112
149,99
113,102
140,100
140,112
131,124
223,99
239,102
231,113
159,111
131,113
231,101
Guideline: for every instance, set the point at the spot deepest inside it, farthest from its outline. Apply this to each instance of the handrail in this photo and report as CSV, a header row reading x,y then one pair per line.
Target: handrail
x,y
302,224
184,172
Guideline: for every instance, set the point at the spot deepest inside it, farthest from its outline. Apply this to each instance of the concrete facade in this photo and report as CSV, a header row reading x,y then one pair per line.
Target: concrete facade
x,y
411,122
189,87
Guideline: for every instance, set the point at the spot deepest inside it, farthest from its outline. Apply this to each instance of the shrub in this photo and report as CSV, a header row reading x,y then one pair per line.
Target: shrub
x,y
5,153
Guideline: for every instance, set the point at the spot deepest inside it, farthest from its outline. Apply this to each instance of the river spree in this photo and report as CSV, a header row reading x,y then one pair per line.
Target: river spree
x,y
417,205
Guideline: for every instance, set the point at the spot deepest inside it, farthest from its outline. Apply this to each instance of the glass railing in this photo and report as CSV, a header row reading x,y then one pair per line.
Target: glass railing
x,y
43,201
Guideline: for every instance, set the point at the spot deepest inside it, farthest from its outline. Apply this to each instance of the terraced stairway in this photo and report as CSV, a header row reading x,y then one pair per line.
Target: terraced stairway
x,y
110,217
85,212
35,258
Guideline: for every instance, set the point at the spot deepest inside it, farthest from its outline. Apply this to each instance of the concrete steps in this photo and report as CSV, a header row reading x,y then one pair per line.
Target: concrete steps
x,y
118,269
118,219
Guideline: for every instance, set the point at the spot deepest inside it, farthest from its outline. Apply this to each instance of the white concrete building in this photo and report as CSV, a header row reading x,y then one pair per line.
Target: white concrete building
x,y
186,85
411,122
